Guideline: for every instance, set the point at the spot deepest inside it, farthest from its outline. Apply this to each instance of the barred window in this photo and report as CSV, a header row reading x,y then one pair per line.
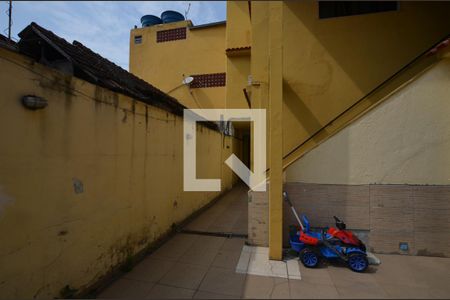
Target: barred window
x,y
208,80
171,35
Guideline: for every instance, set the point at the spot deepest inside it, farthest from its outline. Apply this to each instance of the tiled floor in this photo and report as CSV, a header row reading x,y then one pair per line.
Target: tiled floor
x,y
255,261
204,267
229,214
199,266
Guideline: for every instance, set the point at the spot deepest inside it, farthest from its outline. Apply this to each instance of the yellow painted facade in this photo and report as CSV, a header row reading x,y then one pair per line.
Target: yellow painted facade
x,y
238,45
88,181
204,51
165,64
331,65
238,24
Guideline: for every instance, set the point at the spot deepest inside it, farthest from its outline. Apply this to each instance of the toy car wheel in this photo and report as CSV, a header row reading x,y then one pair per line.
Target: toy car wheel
x,y
358,262
309,258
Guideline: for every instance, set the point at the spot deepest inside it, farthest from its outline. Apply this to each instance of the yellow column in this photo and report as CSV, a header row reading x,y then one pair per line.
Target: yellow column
x,y
275,121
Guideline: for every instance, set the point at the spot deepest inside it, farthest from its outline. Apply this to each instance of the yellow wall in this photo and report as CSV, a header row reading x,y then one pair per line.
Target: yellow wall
x,y
238,24
130,166
404,140
163,64
202,52
259,62
238,62
331,63
238,70
328,64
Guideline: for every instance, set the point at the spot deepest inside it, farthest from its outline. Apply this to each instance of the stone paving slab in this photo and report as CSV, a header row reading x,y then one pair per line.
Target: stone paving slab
x,y
255,261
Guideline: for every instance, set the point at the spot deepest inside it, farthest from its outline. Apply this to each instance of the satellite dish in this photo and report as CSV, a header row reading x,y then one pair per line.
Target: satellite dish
x,y
188,80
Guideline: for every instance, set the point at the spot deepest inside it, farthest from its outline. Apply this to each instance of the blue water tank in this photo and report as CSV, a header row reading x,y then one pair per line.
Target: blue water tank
x,y
170,16
150,20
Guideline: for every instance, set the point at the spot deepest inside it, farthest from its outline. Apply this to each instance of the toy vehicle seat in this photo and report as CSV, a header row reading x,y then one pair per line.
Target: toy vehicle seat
x,y
339,223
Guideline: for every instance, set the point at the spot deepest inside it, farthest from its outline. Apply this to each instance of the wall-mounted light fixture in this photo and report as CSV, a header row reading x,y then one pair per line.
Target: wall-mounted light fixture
x,y
34,102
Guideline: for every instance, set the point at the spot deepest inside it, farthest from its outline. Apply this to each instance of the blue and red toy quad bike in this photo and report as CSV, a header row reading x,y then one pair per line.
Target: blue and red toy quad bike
x,y
334,243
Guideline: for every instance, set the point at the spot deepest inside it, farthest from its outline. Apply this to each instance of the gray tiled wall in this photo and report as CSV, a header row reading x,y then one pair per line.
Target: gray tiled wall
x,y
417,215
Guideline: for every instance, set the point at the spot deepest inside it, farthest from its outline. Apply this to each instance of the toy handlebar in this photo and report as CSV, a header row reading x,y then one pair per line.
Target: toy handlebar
x,y
286,198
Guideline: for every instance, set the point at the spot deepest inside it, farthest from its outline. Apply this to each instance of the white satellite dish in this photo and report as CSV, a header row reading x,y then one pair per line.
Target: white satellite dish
x,y
188,80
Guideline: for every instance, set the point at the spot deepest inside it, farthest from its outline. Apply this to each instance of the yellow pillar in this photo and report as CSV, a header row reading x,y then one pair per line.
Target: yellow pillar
x,y
275,131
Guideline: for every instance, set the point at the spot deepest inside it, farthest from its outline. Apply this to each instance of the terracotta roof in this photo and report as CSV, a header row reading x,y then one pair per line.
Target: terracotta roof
x,y
238,48
6,43
238,51
92,67
3,38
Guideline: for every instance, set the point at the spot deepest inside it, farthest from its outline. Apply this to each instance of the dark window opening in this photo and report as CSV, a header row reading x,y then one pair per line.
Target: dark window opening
x,y
138,39
332,9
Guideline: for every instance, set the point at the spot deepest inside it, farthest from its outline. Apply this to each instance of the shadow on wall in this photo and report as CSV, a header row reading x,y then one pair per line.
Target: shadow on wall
x,y
299,110
376,44
330,64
